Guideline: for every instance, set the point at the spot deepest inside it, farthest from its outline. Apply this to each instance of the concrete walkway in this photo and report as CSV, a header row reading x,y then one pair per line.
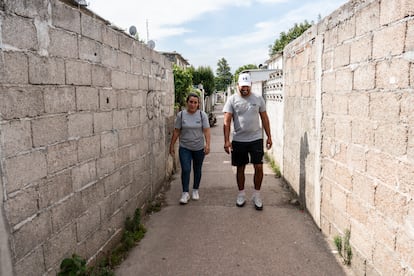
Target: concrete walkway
x,y
214,237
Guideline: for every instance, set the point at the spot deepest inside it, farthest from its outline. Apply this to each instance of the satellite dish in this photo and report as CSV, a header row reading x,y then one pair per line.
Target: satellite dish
x,y
151,44
132,30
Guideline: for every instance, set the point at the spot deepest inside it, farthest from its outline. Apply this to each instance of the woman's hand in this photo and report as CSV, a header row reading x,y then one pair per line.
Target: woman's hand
x,y
206,149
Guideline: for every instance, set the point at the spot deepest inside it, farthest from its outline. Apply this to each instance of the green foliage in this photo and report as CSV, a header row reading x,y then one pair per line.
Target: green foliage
x,y
205,76
242,68
223,75
344,247
285,38
73,266
134,232
273,165
182,84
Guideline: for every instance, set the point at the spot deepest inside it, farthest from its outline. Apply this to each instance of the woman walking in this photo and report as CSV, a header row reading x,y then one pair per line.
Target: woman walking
x,y
193,129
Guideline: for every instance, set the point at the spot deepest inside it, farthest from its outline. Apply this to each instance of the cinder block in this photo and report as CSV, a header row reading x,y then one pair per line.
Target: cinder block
x,y
60,246
14,68
93,195
91,27
102,121
28,8
60,37
31,264
89,50
392,11
123,157
392,75
66,212
132,82
19,32
78,72
106,164
343,80
18,102
358,211
22,205
46,70
109,57
409,38
83,174
383,231
391,138
125,137
109,142
61,156
88,223
138,100
88,147
136,66
119,80
16,137
124,99
101,76
59,99
112,183
32,234
367,19
65,17
126,43
405,243
24,169
385,260
87,99
48,130
362,239
80,124
107,100
124,62
110,37
385,107
54,189
343,177
358,105
362,132
133,118
381,167
361,49
120,119
363,187
389,41
364,77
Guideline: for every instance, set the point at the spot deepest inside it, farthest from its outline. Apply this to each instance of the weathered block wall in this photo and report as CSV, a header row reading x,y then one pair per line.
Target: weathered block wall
x,y
85,114
357,67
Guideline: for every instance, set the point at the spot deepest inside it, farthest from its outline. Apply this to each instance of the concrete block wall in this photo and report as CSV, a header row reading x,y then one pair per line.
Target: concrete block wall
x,y
361,64
85,117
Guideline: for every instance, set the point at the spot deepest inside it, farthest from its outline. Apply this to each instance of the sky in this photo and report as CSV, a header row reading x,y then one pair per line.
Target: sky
x,y
204,31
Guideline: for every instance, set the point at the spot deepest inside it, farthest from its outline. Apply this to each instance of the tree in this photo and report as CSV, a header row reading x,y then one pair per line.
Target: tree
x,y
223,75
285,38
205,76
182,84
242,68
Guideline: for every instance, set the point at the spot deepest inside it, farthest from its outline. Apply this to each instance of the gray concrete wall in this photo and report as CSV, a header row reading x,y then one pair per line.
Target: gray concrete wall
x,y
85,116
349,131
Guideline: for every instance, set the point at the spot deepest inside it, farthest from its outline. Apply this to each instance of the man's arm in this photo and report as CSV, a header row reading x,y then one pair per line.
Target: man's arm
x,y
226,130
266,126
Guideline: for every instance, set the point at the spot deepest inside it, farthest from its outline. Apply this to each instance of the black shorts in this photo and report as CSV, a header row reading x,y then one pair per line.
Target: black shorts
x,y
241,151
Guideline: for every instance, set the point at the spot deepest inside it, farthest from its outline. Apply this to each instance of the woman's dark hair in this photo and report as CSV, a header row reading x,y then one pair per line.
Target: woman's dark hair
x,y
192,95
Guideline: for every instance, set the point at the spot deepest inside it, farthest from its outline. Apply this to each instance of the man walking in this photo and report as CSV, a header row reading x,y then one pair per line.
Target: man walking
x,y
245,109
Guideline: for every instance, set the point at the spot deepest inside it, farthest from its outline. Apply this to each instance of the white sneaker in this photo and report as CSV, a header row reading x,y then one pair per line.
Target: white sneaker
x,y
184,198
196,196
257,200
241,199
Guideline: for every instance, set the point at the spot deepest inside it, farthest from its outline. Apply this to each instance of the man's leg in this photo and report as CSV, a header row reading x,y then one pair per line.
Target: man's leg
x,y
258,176
240,177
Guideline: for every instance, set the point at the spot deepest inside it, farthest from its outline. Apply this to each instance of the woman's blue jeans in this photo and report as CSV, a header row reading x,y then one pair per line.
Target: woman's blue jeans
x,y
186,156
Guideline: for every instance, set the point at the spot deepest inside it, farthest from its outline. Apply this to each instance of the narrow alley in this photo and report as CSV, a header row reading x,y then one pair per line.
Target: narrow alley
x,y
214,237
